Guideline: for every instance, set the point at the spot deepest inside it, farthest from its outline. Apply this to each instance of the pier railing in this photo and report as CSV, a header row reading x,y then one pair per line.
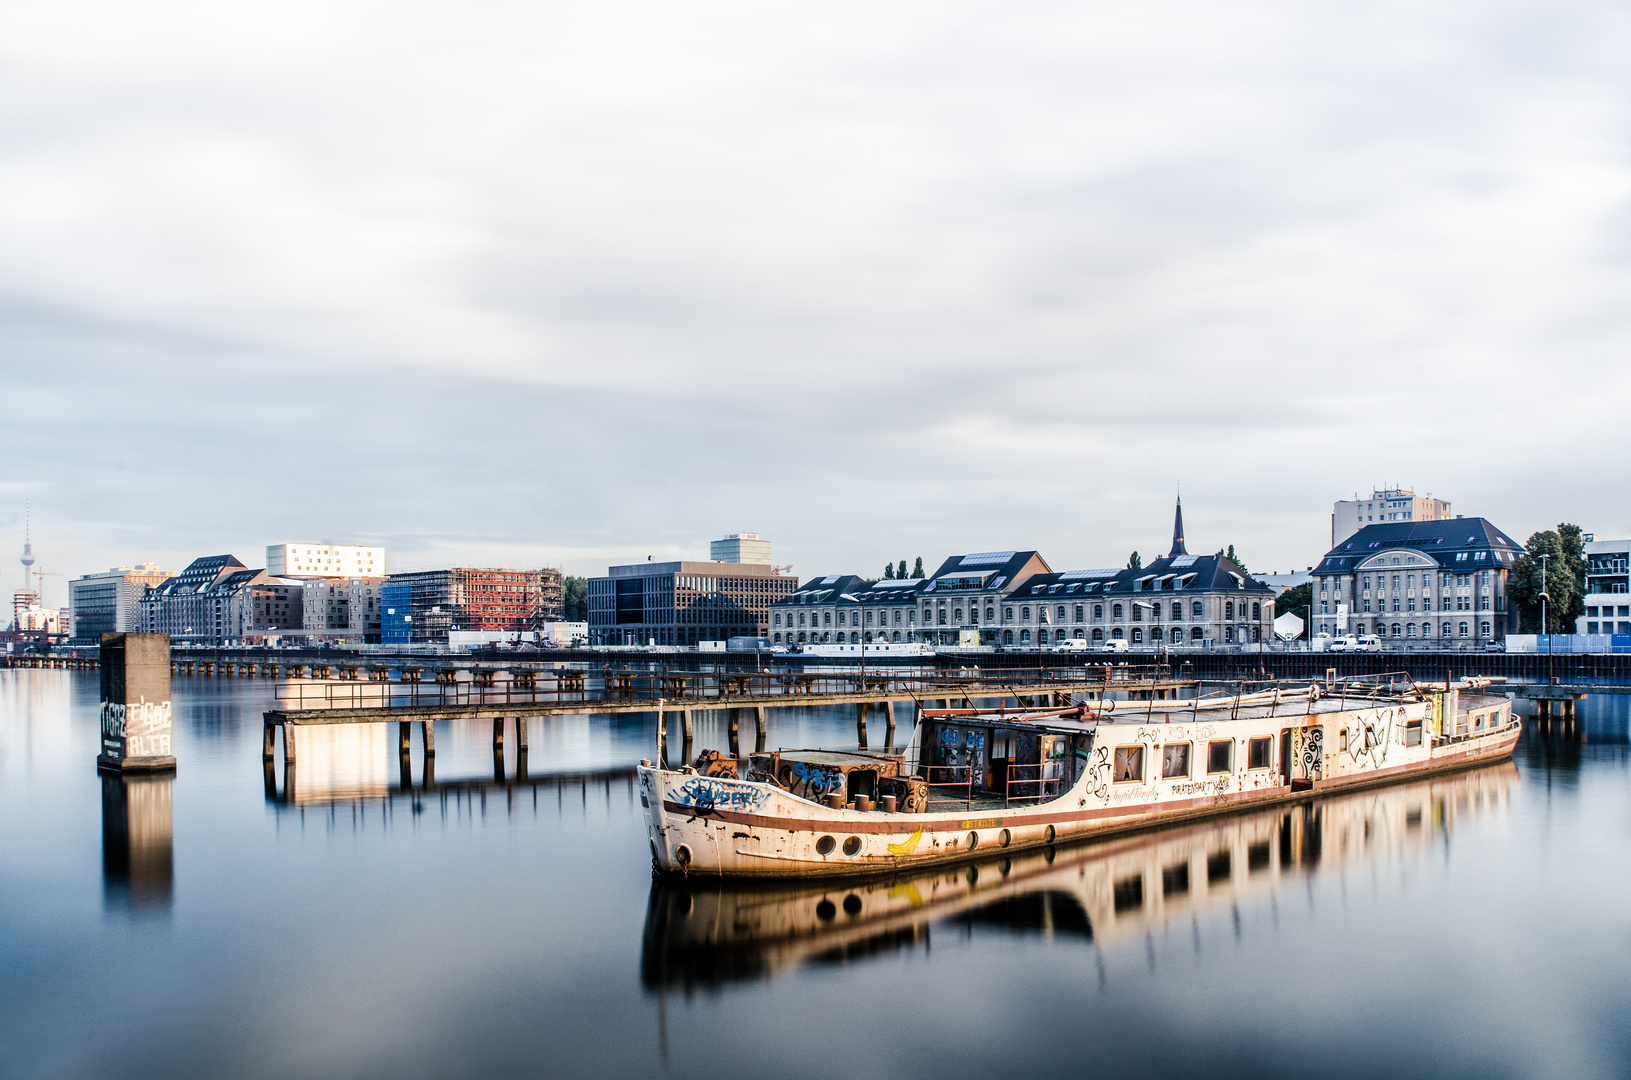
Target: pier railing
x,y
365,689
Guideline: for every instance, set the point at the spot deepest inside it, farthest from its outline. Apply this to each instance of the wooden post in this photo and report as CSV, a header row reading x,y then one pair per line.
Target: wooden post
x,y
860,725
268,742
498,735
759,729
889,725
521,734
427,732
736,748
288,743
402,735
685,720
430,772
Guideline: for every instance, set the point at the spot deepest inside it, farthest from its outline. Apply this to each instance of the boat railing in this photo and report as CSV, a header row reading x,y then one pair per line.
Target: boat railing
x,y
952,785
1031,788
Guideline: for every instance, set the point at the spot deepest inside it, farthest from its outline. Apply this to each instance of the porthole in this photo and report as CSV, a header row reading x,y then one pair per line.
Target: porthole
x,y
973,840
852,846
1047,835
1003,838
852,904
825,845
682,855
825,911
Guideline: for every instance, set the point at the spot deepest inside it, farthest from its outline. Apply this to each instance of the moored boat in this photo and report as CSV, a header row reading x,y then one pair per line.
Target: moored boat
x,y
974,780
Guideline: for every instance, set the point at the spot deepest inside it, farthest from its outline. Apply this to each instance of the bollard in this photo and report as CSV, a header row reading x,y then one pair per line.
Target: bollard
x,y
135,715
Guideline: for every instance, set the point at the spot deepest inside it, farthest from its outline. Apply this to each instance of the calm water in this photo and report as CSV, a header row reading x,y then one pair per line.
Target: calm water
x,y
1477,925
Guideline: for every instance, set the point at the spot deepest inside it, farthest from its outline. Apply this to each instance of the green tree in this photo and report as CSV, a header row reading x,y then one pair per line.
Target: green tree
x,y
1134,562
1232,557
889,571
1564,583
917,568
575,599
901,572
1299,601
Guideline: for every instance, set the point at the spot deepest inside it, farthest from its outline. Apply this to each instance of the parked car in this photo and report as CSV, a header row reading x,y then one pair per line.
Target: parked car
x,y
1495,646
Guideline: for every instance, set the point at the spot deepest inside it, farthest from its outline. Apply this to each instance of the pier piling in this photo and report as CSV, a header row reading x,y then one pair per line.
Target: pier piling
x,y
860,725
758,729
427,733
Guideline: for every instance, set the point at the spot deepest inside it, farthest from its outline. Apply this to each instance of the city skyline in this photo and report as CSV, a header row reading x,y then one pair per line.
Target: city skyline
x,y
968,279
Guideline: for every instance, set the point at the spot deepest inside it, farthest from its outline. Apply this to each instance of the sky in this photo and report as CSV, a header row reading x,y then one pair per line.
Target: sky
x,y
571,284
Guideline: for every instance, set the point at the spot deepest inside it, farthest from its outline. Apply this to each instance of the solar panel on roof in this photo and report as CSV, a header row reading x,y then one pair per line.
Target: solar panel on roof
x,y
1078,575
1184,560
830,579
986,558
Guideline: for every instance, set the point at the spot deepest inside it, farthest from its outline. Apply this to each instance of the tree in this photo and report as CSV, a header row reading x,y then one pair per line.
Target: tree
x,y
574,599
917,570
1232,557
889,571
901,573
1298,601
1134,562
1564,584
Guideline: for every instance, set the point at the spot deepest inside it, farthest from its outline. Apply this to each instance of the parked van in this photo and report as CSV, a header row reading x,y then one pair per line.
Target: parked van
x,y
1342,644
1073,645
1367,643
1114,645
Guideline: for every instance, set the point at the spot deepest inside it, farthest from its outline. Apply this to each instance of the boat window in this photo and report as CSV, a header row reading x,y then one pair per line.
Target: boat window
x,y
1129,764
1220,756
1257,857
1175,881
1174,760
825,845
852,846
1259,752
1219,867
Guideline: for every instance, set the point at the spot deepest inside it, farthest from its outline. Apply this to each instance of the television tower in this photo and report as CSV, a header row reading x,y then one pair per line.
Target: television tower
x,y
28,547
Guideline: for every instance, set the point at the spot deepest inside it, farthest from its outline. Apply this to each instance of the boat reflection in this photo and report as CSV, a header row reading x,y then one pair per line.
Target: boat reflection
x,y
706,935
137,841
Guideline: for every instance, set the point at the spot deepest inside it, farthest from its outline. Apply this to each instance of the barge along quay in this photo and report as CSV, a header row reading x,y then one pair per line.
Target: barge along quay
x,y
973,781
703,931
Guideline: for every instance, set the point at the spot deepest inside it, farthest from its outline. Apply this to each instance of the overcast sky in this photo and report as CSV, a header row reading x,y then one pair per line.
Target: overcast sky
x,y
570,284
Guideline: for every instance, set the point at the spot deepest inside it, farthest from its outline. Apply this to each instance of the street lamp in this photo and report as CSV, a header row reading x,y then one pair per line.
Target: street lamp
x,y
1543,598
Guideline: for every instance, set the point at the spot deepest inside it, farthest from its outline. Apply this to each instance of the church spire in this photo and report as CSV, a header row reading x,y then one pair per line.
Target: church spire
x,y
1178,532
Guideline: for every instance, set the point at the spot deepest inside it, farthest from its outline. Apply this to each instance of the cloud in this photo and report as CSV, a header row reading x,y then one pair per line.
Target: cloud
x,y
577,280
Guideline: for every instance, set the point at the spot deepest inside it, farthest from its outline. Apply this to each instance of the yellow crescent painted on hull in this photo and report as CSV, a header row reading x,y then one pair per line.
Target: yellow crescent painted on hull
x,y
907,846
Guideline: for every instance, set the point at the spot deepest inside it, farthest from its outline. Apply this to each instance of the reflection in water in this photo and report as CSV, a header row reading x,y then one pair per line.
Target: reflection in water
x,y
710,935
136,841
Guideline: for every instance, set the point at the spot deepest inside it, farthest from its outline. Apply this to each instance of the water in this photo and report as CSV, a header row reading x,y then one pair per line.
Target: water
x,y
1474,925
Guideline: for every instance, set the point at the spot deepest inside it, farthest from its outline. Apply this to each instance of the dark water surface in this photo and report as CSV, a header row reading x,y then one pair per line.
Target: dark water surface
x,y
1472,925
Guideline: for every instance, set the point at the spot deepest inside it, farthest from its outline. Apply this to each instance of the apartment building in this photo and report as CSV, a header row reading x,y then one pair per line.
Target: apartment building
x,y
423,606
1384,505
1608,588
324,561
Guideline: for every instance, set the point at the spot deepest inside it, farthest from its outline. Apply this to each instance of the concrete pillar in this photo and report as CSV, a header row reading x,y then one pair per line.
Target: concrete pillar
x,y
288,743
759,731
402,730
730,715
860,725
889,725
498,735
268,741
135,717
685,720
521,734
427,735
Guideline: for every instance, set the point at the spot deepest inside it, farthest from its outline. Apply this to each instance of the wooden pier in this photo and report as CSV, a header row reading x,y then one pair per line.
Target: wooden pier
x,y
510,705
